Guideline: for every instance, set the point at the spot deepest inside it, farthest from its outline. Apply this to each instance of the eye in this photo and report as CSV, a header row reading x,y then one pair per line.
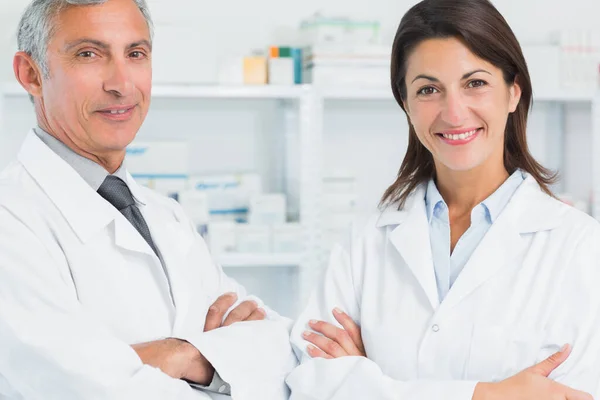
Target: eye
x,y
476,83
87,54
427,90
137,54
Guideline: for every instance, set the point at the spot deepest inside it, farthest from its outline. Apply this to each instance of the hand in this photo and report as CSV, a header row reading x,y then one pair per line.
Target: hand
x,y
335,342
180,359
246,311
176,358
532,383
198,369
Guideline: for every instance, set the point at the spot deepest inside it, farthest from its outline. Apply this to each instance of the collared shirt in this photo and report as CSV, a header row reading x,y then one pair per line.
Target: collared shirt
x,y
94,174
448,266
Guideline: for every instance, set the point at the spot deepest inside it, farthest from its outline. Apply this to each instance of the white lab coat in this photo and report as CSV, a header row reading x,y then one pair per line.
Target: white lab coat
x,y
79,285
531,286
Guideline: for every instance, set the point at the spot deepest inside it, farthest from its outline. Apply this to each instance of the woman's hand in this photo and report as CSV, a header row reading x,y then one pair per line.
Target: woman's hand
x,y
332,341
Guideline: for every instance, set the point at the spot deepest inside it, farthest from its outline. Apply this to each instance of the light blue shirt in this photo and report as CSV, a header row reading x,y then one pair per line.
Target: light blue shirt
x,y
448,266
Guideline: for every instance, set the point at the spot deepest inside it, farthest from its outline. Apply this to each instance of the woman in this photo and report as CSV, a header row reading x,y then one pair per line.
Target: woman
x,y
470,280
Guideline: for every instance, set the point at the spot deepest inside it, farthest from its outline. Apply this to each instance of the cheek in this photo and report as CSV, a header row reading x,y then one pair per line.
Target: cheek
x,y
492,110
142,79
74,90
423,115
423,118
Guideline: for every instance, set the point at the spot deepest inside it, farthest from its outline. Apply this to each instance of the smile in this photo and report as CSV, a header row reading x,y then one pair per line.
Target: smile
x,y
458,138
118,114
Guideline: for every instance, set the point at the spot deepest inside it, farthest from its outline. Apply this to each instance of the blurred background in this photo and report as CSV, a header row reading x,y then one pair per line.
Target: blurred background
x,y
273,123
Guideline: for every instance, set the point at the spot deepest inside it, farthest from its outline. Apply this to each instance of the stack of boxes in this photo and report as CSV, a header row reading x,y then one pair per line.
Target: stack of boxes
x,y
229,210
339,208
283,66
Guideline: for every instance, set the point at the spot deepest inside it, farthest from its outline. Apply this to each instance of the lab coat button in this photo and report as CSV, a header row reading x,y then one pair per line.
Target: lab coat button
x,y
222,388
435,328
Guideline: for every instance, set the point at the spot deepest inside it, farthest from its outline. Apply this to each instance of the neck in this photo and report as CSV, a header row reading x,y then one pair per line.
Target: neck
x,y
463,190
109,160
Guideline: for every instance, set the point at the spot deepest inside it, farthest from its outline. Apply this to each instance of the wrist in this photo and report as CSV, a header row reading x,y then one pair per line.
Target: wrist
x,y
197,368
178,360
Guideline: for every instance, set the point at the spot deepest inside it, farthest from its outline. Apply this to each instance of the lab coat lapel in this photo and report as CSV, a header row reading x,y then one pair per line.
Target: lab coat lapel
x,y
128,238
411,239
498,249
84,210
530,210
174,246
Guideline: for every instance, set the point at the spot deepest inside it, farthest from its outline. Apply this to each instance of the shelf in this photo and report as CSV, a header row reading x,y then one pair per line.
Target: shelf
x,y
259,260
229,92
297,91
366,93
565,96
383,93
203,91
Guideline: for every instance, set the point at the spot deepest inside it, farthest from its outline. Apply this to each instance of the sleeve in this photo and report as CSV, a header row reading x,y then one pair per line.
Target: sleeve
x,y
53,349
253,358
352,377
577,301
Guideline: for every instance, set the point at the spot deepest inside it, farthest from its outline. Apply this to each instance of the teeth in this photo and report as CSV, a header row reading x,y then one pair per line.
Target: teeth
x,y
114,112
461,136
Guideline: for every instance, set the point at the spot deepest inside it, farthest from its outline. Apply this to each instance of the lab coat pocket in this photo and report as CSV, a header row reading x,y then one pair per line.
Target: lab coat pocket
x,y
499,352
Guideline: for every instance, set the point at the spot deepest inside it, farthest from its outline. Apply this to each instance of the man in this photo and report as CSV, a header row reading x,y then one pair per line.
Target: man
x,y
106,290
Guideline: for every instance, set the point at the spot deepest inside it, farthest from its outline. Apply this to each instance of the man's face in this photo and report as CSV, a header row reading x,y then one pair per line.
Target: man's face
x,y
98,91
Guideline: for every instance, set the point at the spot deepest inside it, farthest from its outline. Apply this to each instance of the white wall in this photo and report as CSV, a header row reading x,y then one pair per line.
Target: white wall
x,y
230,27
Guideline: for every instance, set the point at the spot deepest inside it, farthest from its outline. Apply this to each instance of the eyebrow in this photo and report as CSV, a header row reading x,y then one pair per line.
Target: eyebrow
x,y
465,76
105,46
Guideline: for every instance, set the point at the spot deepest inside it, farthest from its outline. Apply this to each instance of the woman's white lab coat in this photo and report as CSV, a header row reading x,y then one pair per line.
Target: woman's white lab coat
x,y
532,285
79,285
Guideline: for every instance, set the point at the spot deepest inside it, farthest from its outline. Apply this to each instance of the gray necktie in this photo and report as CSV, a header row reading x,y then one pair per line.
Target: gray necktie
x,y
116,192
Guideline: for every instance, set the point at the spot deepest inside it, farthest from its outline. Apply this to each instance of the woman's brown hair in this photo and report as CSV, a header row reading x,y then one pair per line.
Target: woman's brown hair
x,y
479,25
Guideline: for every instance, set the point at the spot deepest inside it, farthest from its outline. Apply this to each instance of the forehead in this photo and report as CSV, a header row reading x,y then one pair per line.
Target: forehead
x,y
447,57
114,22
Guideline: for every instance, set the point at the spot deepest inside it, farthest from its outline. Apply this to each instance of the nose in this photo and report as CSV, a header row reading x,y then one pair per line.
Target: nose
x,y
454,111
119,81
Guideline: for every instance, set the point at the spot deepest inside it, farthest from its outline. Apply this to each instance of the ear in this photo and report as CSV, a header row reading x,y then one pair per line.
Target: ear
x,y
514,92
28,74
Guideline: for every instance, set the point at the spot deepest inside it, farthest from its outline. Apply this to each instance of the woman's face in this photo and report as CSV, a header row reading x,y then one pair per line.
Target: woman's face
x,y
458,104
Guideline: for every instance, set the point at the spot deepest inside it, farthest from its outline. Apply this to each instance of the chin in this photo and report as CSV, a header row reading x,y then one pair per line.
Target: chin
x,y
115,142
461,165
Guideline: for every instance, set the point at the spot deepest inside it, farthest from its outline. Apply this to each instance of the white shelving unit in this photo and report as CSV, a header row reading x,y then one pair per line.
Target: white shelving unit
x,y
260,260
303,110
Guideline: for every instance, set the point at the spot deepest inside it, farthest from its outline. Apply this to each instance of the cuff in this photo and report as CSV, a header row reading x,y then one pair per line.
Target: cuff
x,y
217,385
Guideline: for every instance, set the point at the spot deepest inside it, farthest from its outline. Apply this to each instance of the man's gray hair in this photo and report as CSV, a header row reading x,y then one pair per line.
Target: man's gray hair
x,y
38,25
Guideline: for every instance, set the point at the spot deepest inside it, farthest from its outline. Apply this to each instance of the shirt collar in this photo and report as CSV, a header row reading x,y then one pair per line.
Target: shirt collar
x,y
433,199
94,174
500,198
492,206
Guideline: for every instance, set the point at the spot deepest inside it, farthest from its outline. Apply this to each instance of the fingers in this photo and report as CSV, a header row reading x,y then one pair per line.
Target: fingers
x,y
351,327
217,311
546,367
573,394
258,315
241,312
325,345
338,335
315,352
